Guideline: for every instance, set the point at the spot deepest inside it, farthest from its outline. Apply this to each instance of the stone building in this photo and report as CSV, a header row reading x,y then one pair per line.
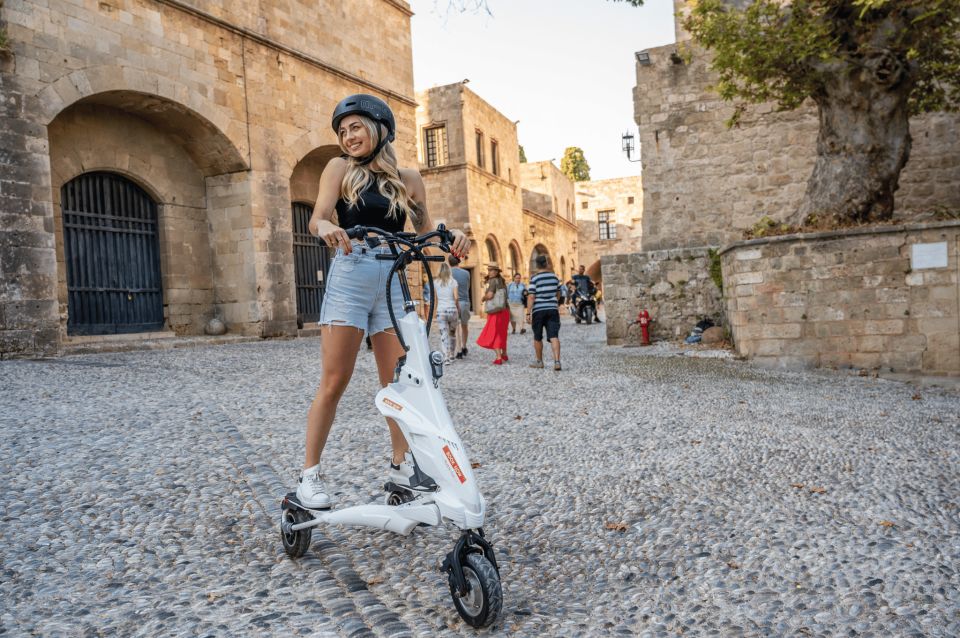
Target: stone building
x,y
159,158
609,219
548,216
704,184
469,159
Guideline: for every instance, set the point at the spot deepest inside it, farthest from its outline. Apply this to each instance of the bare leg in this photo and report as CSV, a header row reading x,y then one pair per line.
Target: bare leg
x,y
339,346
555,342
538,349
386,350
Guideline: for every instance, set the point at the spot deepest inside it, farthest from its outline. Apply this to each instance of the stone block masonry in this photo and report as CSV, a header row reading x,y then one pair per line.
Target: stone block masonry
x,y
860,298
674,286
705,183
208,108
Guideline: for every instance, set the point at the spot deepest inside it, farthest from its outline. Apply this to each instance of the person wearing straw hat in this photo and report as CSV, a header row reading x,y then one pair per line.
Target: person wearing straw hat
x,y
494,333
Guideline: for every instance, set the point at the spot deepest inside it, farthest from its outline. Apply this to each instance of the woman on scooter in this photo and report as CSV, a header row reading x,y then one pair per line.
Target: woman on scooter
x,y
364,187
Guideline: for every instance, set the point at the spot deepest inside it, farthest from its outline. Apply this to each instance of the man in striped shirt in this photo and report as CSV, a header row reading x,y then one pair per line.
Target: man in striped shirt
x,y
542,308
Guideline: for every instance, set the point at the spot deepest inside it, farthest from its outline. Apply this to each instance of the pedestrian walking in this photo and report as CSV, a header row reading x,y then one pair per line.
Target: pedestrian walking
x,y
544,292
448,312
462,277
364,187
516,292
494,333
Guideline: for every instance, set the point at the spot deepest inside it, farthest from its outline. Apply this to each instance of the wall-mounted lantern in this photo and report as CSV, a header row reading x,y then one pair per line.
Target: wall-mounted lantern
x,y
627,145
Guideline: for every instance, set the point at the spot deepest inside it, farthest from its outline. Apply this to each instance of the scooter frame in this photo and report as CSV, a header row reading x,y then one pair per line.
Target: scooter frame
x,y
444,486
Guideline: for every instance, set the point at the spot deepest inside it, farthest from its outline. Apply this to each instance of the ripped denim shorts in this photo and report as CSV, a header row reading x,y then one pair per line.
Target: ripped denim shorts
x,y
356,291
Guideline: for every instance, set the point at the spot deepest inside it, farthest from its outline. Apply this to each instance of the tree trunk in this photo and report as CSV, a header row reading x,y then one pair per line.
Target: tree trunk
x,y
863,144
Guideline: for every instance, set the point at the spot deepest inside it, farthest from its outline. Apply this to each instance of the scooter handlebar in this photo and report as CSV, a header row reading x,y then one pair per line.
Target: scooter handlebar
x,y
446,237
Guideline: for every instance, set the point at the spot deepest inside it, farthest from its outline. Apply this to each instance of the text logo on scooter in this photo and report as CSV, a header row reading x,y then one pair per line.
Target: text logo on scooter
x,y
393,404
453,463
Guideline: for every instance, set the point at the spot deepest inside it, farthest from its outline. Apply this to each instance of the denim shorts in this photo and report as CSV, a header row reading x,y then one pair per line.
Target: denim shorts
x,y
356,291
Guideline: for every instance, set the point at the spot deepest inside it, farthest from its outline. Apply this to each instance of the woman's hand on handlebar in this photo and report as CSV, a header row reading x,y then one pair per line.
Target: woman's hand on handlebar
x,y
460,244
333,235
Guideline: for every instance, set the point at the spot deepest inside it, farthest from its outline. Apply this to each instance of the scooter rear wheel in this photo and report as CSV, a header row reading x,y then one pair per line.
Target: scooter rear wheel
x,y
482,604
296,543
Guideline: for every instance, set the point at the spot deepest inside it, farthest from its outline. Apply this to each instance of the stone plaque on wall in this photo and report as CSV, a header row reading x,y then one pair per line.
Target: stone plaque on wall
x,y
924,256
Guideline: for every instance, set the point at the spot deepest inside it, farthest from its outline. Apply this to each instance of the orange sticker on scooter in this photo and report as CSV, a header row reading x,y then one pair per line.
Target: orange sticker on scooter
x,y
393,404
453,463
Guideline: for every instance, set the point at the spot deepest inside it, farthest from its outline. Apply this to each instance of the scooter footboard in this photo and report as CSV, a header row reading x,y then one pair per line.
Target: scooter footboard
x,y
400,519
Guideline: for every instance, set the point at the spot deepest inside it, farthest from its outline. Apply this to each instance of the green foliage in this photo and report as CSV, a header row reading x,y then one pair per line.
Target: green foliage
x,y
574,164
716,272
789,51
4,41
767,227
523,155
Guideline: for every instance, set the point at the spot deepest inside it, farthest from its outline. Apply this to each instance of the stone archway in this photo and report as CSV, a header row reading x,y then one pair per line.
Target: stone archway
x,y
516,261
196,176
310,256
492,250
538,250
594,272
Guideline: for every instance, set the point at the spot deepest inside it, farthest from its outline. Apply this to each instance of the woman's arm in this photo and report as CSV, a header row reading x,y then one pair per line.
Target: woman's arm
x,y
413,182
320,224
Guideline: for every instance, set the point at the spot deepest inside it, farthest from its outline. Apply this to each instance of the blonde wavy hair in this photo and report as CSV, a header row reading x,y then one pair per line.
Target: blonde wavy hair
x,y
387,178
445,273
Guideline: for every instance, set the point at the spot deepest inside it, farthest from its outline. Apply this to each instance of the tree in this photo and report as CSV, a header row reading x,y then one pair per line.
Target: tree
x,y
868,65
574,164
523,155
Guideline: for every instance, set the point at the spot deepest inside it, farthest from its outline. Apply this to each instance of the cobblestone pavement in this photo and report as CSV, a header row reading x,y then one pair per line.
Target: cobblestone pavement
x,y
628,494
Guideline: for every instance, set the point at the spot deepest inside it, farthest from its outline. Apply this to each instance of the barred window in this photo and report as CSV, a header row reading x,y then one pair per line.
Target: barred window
x,y
608,228
435,143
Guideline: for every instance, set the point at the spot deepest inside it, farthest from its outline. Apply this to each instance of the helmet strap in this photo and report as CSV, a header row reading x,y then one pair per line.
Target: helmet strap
x,y
369,158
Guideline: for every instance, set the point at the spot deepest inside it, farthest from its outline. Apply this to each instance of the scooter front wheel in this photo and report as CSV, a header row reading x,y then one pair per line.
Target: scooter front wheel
x,y
295,543
482,603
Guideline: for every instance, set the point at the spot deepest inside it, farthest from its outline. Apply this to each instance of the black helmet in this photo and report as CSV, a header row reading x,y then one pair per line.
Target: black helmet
x,y
369,105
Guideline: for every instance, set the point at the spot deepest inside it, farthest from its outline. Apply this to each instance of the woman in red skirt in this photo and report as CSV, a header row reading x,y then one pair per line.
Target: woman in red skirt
x,y
494,334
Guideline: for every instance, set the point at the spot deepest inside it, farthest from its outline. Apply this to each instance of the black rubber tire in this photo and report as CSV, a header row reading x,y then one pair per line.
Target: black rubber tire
x,y
588,315
484,606
296,544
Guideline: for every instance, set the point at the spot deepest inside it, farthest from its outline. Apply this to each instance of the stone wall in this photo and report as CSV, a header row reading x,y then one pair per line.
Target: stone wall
x,y
491,208
674,286
548,180
704,183
857,299
210,106
623,198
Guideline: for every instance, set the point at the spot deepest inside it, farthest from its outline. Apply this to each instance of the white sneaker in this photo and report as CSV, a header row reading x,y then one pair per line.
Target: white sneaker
x,y
311,492
401,474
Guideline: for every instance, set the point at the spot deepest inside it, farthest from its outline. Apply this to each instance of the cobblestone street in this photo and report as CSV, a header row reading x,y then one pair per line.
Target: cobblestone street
x,y
637,492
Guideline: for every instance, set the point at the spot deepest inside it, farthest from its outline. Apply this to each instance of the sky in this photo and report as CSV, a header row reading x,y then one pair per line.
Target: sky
x,y
564,68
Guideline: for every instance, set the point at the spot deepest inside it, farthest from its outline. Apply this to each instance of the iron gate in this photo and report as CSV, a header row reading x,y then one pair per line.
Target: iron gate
x,y
311,258
112,253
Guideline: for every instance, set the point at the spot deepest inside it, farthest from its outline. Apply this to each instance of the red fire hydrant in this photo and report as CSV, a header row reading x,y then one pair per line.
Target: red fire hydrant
x,y
644,320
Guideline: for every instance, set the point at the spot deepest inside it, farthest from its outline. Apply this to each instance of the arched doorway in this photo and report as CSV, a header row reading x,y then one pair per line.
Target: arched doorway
x,y
538,250
311,261
515,259
112,255
492,249
311,256
594,272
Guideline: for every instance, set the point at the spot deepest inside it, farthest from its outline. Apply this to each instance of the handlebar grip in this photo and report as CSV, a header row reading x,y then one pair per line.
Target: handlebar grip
x,y
356,232
436,258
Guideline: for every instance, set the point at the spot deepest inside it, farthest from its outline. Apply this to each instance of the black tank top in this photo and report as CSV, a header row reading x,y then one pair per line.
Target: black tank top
x,y
371,209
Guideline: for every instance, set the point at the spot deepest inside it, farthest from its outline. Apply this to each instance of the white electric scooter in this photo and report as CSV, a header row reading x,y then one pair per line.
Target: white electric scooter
x,y
443,488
